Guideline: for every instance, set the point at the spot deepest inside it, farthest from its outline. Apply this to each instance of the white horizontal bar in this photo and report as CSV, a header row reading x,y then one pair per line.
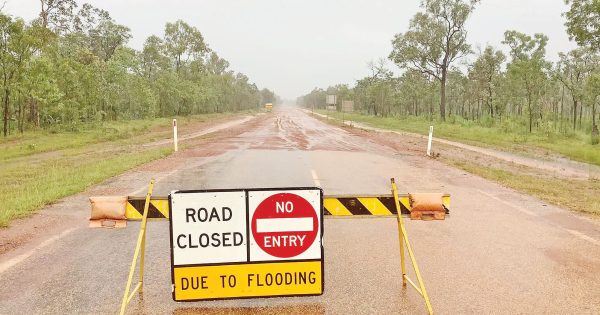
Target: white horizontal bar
x,y
284,225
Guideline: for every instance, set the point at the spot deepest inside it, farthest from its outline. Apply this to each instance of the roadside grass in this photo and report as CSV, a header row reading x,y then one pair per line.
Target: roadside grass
x,y
25,188
577,195
34,142
575,146
580,195
39,168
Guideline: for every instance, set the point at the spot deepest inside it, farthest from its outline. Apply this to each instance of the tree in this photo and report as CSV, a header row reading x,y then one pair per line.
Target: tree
x,y
583,22
18,43
216,65
56,13
572,70
183,41
435,39
486,71
72,65
152,57
527,67
414,87
106,37
592,88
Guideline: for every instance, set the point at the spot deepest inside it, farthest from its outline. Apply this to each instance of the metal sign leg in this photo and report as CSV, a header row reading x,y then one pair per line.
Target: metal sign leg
x,y
139,247
404,241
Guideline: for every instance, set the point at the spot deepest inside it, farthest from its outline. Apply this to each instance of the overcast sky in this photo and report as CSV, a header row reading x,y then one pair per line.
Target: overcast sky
x,y
292,46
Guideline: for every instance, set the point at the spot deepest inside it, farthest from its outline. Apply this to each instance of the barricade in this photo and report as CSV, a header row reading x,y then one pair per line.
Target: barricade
x,y
392,205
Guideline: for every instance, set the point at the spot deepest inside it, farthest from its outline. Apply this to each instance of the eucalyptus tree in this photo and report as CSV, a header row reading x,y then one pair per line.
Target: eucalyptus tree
x,y
72,65
152,57
414,86
216,65
592,90
435,39
458,87
486,71
183,42
528,67
57,14
572,70
583,22
18,43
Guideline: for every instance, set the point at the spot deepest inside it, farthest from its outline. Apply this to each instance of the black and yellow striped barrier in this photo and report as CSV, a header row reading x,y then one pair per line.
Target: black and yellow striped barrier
x,y
339,206
157,208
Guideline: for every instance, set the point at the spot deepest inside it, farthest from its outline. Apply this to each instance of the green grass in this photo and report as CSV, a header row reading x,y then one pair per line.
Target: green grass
x,y
34,142
575,146
31,188
41,167
577,195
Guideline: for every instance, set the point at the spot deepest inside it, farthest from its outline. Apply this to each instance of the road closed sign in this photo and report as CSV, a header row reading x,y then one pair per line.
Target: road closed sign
x,y
246,243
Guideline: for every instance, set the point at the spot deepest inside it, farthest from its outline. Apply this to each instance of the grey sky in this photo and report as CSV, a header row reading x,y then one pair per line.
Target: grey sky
x,y
292,46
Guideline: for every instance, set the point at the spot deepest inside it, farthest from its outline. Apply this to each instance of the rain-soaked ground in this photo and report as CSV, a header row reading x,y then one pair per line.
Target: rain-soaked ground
x,y
500,251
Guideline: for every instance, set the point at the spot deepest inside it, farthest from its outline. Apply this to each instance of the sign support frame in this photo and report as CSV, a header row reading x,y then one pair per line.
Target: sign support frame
x,y
403,237
140,250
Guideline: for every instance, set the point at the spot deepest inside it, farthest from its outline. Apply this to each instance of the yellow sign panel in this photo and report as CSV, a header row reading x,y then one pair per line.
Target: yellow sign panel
x,y
248,280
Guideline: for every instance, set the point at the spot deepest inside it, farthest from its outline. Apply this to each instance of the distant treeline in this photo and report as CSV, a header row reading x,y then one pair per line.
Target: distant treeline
x,y
522,91
72,65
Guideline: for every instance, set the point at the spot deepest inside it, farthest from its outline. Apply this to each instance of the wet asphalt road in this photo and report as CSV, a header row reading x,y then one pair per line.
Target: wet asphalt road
x,y
500,252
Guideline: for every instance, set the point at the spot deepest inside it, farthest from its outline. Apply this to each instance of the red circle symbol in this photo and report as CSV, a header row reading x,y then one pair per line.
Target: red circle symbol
x,y
284,225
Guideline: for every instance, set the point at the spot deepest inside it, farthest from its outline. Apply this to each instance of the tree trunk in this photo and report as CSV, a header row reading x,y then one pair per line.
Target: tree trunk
x,y
6,101
530,112
580,114
491,102
594,127
20,115
574,113
562,108
443,95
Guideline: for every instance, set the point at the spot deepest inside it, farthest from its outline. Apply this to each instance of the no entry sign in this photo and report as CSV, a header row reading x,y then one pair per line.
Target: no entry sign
x,y
284,225
246,243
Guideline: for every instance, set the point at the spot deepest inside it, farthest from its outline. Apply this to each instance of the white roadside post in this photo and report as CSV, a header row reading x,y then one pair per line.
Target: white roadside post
x,y
429,141
175,135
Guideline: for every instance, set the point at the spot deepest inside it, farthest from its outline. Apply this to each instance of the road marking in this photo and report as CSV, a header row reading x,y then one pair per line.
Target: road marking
x,y
533,214
315,178
16,260
582,236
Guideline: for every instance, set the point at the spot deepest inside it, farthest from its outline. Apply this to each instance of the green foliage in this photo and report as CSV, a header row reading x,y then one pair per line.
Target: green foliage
x,y
510,135
583,22
527,94
72,67
435,39
526,71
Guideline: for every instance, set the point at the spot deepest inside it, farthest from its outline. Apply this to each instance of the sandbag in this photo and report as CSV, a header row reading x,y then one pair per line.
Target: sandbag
x,y
427,206
108,208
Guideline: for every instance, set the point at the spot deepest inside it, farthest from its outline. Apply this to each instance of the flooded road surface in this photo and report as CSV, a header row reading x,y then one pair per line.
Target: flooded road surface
x,y
500,252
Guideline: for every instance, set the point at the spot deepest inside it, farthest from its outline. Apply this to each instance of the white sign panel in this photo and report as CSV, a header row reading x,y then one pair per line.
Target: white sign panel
x,y
208,227
331,100
347,106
